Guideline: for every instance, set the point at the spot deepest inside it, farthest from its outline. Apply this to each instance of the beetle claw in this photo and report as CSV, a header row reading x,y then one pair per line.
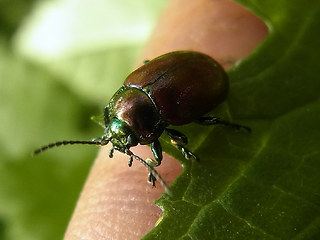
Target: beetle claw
x,y
187,154
152,179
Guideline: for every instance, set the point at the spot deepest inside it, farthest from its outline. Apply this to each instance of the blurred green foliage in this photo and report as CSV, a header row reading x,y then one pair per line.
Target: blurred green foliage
x,y
60,62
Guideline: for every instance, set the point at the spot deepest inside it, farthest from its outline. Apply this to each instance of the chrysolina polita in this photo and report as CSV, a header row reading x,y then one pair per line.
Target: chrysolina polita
x,y
176,88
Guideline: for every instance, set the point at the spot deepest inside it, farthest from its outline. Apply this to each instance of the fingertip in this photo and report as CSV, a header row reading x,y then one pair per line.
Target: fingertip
x,y
223,29
117,201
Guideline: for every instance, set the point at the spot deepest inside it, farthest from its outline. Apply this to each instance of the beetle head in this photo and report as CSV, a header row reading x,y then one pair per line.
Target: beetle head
x,y
120,134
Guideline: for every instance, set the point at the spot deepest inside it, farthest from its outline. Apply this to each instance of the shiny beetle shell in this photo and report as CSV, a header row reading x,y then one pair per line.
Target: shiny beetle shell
x,y
173,89
183,85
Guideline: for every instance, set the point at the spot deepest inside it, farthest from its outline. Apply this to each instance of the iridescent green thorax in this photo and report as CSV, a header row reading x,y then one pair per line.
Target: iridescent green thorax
x,y
120,135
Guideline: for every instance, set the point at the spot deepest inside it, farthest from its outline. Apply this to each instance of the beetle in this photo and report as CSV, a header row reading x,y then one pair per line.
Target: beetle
x,y
176,88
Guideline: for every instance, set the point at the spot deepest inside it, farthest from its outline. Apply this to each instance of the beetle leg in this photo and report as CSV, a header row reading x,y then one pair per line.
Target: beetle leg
x,y
176,137
130,161
179,140
152,179
215,120
111,152
157,152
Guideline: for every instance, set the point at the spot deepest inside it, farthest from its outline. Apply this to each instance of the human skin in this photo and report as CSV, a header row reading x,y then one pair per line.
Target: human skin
x,y
117,202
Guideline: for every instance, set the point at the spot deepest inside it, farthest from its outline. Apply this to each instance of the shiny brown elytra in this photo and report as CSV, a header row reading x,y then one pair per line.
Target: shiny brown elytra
x,y
176,88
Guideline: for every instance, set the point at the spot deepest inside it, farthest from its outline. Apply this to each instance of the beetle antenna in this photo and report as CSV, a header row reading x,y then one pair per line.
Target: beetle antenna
x,y
151,171
61,143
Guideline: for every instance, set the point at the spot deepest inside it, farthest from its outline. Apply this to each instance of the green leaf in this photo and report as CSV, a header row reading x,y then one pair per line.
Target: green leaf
x,y
263,185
